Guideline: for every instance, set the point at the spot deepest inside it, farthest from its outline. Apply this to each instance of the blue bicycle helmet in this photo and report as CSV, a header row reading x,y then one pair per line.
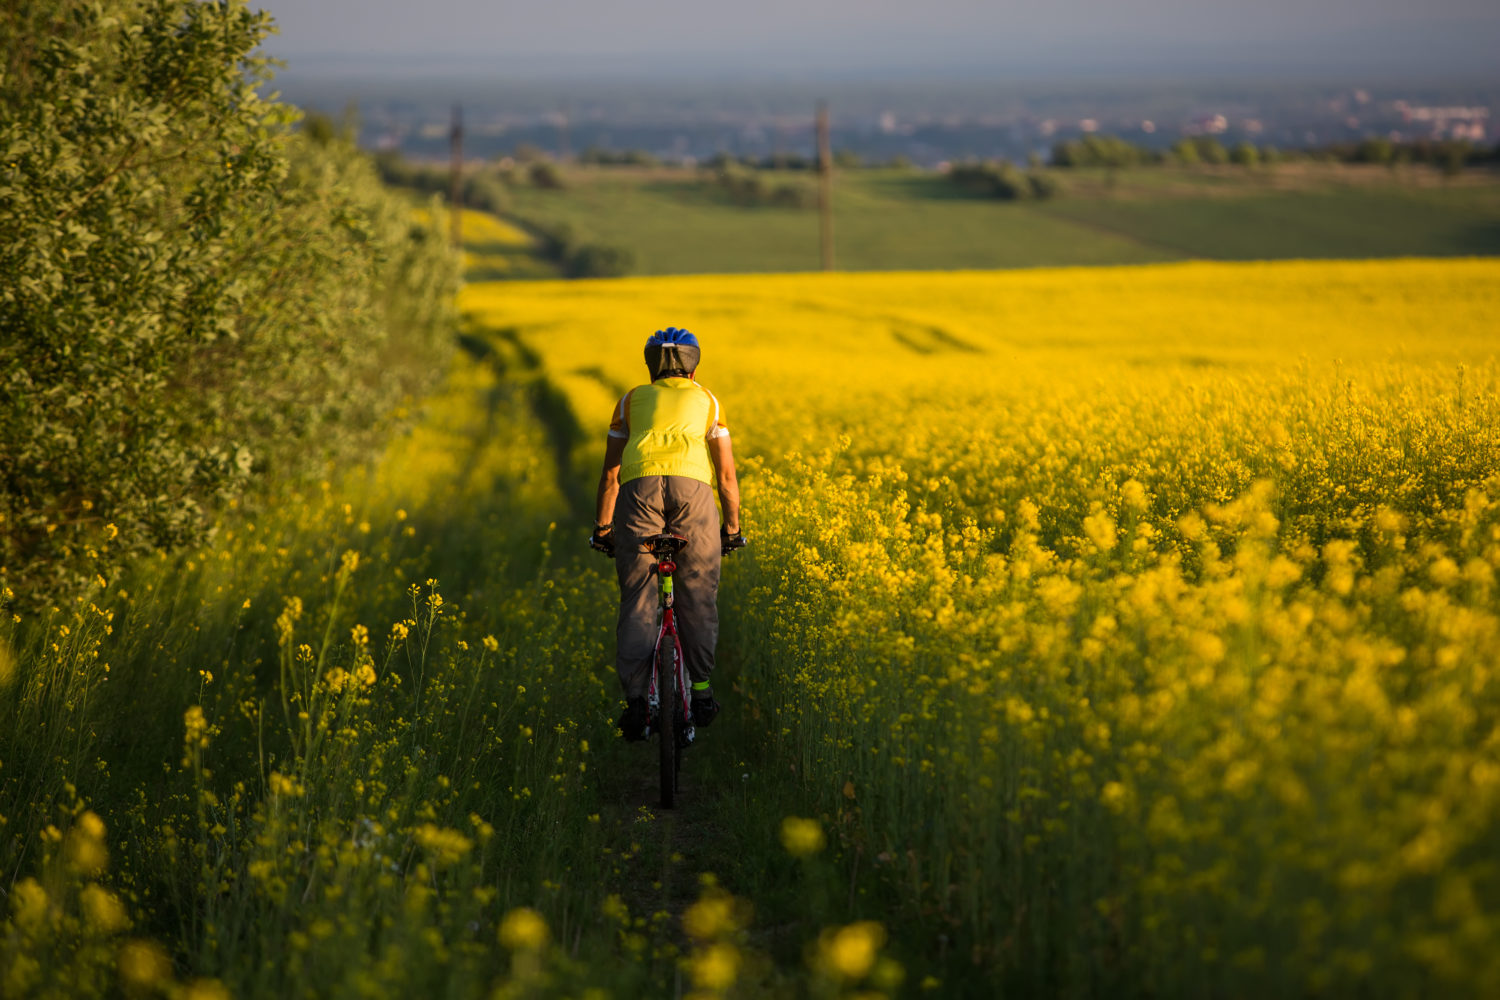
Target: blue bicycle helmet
x,y
672,352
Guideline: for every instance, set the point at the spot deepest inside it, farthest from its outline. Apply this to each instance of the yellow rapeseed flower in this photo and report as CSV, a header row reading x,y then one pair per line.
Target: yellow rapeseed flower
x,y
850,952
195,727
84,848
103,909
285,786
444,845
7,665
1114,796
204,989
802,838
29,903
710,917
715,967
524,929
143,965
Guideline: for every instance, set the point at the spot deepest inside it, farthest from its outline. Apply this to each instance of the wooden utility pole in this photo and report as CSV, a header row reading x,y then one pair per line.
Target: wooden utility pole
x,y
456,177
825,186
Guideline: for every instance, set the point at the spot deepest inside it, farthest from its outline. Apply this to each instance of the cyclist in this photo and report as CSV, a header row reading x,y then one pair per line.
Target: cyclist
x,y
668,451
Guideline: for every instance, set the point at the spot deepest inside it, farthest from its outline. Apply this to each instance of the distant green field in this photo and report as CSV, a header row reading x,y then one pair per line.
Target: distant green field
x,y
676,228
1348,223
898,220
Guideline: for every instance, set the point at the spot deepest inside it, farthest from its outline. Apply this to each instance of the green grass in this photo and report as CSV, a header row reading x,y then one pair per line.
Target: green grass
x,y
881,222
903,220
1346,223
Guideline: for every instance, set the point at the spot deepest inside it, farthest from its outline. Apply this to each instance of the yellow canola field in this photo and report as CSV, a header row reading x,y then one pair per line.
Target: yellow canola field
x,y
1135,625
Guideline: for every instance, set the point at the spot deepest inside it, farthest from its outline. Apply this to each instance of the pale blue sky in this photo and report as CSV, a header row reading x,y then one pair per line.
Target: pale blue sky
x,y
568,35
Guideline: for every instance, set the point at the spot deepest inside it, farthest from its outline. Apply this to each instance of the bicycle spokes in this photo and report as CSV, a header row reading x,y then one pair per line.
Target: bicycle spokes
x,y
684,729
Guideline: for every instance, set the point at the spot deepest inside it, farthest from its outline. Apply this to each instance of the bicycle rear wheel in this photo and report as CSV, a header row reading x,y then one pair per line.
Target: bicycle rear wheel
x,y
666,723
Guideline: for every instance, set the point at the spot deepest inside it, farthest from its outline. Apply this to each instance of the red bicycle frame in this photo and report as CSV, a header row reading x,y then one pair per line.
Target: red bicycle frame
x,y
665,567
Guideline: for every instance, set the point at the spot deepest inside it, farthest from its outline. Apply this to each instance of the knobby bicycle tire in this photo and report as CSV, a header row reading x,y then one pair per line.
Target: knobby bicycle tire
x,y
666,687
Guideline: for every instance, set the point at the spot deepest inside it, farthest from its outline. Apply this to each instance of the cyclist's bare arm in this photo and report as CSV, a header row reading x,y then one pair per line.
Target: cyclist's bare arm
x,y
729,487
609,481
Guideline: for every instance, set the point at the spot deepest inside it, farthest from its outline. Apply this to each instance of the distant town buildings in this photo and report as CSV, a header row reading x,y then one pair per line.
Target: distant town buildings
x,y
952,125
1214,124
1446,121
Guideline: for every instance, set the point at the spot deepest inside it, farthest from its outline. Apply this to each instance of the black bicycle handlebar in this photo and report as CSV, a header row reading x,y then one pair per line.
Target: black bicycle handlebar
x,y
732,542
604,542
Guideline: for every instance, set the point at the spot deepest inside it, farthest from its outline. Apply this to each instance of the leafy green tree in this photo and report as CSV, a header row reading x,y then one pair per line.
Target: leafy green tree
x,y
1043,184
1099,151
1245,154
1453,157
1185,152
193,293
486,192
1375,150
597,260
545,175
994,179
1211,150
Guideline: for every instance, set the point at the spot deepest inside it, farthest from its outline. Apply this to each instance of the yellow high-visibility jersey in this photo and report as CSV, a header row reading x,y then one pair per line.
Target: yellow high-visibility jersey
x,y
667,426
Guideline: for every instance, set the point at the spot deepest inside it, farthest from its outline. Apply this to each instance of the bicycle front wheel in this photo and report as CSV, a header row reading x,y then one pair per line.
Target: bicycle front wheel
x,y
666,723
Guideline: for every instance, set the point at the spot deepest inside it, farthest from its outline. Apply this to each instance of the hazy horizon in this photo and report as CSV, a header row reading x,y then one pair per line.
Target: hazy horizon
x,y
945,39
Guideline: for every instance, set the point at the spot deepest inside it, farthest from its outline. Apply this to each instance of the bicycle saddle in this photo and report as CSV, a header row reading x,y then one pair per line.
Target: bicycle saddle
x,y
665,544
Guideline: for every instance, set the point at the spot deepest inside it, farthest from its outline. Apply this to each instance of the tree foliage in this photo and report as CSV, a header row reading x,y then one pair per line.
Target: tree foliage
x,y
1100,151
487,190
193,294
1004,180
749,188
578,257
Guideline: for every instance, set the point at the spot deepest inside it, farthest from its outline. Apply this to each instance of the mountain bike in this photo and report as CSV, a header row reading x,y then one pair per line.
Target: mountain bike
x,y
668,698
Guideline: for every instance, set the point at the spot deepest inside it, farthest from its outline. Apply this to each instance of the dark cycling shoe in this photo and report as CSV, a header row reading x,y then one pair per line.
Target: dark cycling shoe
x,y
704,710
633,720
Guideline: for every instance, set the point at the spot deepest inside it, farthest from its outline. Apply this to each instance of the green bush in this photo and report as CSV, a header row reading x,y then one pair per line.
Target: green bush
x,y
487,192
601,157
1245,154
1211,150
1043,184
1099,151
1374,150
746,187
484,189
1185,152
1002,179
546,176
562,244
597,260
194,293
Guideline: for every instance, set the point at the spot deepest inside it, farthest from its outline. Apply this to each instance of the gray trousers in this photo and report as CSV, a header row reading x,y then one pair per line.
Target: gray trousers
x,y
648,506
